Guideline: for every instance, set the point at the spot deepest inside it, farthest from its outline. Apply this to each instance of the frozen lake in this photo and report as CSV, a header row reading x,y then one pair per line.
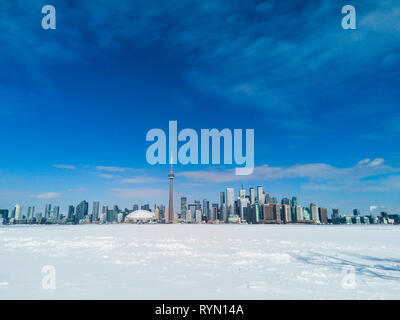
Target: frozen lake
x,y
201,262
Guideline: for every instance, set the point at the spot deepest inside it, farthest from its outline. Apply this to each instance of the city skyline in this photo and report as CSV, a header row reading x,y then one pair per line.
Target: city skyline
x,y
144,192
75,108
228,205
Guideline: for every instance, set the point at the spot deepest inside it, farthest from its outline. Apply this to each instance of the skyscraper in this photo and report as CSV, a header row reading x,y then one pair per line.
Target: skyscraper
x,y
224,214
47,210
198,216
242,202
323,215
314,213
230,201
306,213
95,210
4,214
268,198
162,209
255,213
82,209
171,197
18,212
116,212
252,196
260,196
206,207
277,213
213,212
221,198
335,216
188,216
242,193
269,216
183,206
56,212
157,213
31,212
299,213
198,205
293,208
286,214
71,211
192,208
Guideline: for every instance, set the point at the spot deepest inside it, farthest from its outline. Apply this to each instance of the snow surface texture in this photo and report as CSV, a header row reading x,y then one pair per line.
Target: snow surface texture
x,y
200,262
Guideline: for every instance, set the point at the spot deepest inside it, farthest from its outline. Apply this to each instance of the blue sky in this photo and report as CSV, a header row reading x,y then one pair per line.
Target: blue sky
x,y
76,102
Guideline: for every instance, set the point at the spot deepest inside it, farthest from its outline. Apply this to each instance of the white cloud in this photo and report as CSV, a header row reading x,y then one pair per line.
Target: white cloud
x,y
376,162
364,161
140,180
64,166
46,195
106,176
366,175
313,171
110,169
373,209
367,183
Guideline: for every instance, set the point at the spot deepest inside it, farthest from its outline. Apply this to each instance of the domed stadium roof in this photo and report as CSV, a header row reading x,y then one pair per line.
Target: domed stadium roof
x,y
141,215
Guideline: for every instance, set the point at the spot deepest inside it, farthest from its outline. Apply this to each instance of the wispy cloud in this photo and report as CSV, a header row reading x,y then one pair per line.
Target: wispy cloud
x,y
256,68
252,53
142,180
110,169
64,166
46,195
106,176
320,176
374,163
350,185
373,209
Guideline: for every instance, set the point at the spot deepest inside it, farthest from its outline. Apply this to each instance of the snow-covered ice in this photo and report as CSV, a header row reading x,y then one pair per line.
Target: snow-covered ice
x,y
201,262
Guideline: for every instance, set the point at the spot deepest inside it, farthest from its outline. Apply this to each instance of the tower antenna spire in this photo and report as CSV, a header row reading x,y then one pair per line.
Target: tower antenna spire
x,y
171,197
172,159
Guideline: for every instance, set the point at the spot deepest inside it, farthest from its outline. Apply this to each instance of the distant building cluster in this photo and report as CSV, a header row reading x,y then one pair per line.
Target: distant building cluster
x,y
252,207
258,207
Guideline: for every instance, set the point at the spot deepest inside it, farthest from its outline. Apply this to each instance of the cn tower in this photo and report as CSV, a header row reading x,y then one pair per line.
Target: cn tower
x,y
171,196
